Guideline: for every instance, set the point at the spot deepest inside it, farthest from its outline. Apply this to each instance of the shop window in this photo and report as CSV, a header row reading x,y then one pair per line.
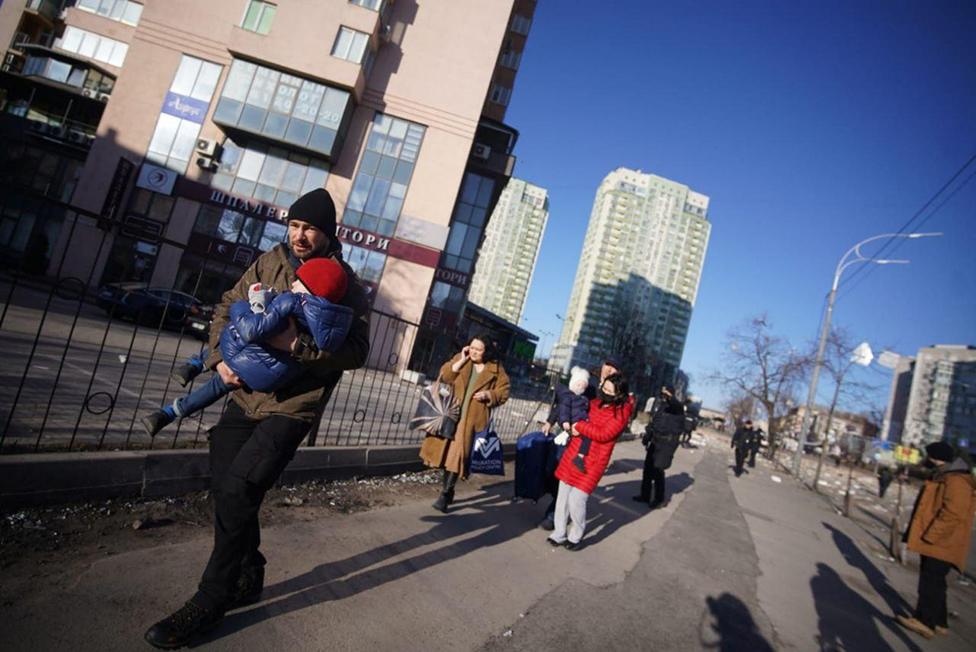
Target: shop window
x,y
367,264
373,5
259,16
206,279
384,174
236,227
446,297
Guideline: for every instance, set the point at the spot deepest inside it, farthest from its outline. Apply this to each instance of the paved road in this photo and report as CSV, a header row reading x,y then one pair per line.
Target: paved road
x,y
733,564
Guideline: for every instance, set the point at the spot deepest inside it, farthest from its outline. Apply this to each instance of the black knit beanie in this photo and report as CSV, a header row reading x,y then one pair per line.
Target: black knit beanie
x,y
317,208
940,450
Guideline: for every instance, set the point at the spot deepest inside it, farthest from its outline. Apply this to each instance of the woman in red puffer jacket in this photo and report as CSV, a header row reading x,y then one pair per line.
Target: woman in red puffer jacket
x,y
609,415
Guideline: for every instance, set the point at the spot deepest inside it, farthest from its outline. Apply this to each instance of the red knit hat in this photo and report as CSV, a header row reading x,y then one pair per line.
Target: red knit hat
x,y
324,277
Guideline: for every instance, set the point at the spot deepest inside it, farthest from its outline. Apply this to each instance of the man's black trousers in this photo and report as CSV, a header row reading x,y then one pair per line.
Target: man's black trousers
x,y
246,458
652,480
931,608
740,457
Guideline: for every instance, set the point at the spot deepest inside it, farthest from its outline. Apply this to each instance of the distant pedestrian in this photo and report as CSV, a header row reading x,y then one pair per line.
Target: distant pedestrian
x,y
741,444
660,442
885,476
480,384
609,415
940,530
757,434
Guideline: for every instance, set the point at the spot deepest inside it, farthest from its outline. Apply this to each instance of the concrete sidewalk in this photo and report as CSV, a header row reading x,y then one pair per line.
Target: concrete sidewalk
x,y
729,563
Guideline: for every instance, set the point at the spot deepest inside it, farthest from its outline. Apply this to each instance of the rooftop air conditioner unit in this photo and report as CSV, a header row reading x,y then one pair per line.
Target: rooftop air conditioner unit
x,y
103,97
56,132
386,32
77,137
89,92
481,151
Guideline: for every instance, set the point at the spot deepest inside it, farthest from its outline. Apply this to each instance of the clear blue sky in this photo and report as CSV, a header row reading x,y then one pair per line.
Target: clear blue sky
x,y
811,125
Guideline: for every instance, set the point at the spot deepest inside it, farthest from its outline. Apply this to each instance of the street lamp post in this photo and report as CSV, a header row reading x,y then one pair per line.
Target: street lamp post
x,y
853,256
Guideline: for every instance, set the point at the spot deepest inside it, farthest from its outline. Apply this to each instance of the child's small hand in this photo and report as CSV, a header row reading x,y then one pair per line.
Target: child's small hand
x,y
575,431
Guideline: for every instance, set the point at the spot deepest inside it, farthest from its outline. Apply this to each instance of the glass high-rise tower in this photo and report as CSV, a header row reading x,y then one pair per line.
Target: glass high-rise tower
x,y
637,278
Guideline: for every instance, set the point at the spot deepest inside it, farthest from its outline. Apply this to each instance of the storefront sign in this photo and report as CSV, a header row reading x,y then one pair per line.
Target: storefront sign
x,y
157,179
363,239
142,228
185,107
116,189
452,277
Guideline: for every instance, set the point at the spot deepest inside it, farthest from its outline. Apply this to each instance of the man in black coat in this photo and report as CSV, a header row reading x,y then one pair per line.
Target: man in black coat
x,y
742,442
661,440
757,434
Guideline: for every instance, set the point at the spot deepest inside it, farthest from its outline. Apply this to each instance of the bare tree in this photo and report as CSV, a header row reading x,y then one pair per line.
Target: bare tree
x,y
758,364
740,408
839,359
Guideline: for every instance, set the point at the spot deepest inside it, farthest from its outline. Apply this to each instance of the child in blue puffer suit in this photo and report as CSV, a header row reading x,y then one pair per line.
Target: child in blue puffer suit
x,y
573,405
312,302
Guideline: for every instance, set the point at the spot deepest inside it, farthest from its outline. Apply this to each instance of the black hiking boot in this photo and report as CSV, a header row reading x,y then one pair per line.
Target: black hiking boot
x,y
249,587
182,627
447,496
155,421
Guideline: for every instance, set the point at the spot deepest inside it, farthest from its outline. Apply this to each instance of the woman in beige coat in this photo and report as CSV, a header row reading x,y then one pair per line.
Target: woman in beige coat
x,y
480,384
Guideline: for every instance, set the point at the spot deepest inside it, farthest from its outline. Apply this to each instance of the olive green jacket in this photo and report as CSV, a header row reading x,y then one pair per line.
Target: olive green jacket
x,y
303,397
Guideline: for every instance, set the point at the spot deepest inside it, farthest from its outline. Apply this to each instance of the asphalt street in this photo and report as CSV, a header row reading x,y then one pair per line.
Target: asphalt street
x,y
749,563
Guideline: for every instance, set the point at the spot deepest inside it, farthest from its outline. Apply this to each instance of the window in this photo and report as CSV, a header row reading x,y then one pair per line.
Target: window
x,y
350,45
258,16
367,264
521,24
380,185
123,11
511,58
174,139
268,174
500,94
446,297
468,222
92,45
237,228
373,5
153,205
282,106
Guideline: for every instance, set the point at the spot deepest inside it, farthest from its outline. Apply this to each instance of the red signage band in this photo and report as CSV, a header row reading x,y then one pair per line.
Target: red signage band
x,y
401,249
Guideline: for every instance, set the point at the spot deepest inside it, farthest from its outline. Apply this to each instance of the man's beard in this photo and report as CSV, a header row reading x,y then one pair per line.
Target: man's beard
x,y
312,253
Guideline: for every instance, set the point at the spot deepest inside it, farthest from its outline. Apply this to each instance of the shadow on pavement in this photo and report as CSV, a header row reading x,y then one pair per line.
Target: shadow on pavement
x,y
608,513
846,621
734,625
489,514
877,579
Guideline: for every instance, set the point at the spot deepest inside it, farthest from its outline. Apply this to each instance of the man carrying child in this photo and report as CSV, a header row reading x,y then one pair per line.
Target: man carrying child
x,y
258,433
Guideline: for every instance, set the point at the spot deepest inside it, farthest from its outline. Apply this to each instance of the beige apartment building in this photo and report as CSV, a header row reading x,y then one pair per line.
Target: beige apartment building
x,y
508,255
184,129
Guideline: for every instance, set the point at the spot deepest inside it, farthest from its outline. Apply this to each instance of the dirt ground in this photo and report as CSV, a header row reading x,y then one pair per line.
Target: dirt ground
x,y
50,546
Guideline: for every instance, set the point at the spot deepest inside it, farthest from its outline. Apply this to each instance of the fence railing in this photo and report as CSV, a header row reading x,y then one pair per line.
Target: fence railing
x,y
75,376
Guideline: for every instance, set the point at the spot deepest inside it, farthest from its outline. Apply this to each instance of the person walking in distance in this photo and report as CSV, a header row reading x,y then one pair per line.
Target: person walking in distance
x,y
741,444
940,531
480,384
660,444
258,433
754,446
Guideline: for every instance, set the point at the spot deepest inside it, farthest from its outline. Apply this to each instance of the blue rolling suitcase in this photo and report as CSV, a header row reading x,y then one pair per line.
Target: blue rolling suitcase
x,y
531,453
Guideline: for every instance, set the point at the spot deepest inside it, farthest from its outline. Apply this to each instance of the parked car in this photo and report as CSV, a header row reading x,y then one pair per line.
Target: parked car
x,y
154,306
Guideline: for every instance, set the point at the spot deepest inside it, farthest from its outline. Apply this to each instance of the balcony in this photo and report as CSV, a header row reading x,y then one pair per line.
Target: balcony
x,y
46,9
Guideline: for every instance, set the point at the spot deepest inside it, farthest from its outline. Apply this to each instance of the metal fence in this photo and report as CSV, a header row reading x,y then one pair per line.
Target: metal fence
x,y
75,377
